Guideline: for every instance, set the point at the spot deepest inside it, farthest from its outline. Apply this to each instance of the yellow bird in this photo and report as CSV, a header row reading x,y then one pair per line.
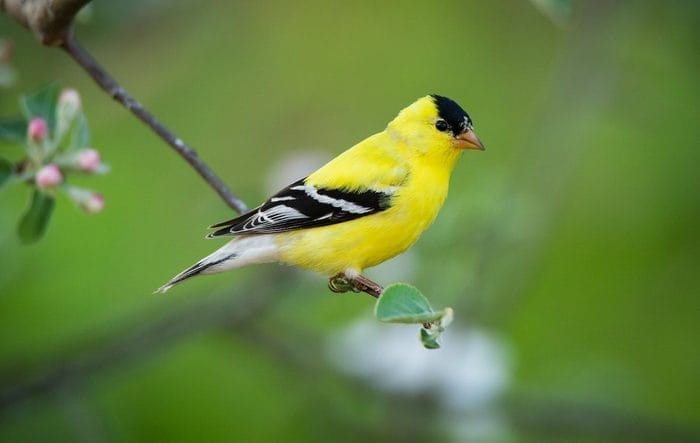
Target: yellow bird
x,y
365,206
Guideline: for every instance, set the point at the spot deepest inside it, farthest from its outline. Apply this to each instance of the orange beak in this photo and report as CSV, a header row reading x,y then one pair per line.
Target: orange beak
x,y
468,140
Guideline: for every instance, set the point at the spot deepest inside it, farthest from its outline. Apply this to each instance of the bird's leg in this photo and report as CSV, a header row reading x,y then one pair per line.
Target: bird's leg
x,y
360,283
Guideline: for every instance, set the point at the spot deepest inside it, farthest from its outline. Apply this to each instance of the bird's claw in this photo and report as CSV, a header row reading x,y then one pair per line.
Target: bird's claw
x,y
339,284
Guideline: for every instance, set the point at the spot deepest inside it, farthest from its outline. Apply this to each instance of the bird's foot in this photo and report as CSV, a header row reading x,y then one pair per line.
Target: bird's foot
x,y
339,283
342,283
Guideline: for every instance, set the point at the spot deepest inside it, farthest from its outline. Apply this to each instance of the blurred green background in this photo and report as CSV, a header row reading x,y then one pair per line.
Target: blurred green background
x,y
569,249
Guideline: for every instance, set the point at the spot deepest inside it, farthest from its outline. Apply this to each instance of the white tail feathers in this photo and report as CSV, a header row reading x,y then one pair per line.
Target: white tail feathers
x,y
240,251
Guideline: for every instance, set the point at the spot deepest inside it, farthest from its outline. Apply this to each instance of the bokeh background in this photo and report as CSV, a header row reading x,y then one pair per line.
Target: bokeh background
x,y
569,249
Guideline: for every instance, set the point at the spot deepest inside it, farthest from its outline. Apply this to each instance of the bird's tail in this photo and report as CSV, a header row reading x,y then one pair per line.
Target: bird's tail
x,y
238,252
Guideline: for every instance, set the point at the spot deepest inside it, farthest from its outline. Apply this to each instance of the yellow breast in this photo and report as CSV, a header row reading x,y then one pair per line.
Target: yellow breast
x,y
370,240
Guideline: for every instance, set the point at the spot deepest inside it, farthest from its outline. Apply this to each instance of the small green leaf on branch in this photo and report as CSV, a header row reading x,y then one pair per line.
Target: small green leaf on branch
x,y
33,223
402,303
431,332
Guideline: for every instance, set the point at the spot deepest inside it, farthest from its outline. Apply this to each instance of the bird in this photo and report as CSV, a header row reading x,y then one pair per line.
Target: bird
x,y
367,205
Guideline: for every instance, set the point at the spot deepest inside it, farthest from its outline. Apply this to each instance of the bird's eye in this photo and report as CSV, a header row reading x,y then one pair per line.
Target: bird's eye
x,y
441,125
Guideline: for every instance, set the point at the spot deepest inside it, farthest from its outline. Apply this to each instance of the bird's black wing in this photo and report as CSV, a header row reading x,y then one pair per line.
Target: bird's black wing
x,y
301,205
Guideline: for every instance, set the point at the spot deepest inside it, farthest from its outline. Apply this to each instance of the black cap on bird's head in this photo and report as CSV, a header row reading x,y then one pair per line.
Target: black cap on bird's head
x,y
454,119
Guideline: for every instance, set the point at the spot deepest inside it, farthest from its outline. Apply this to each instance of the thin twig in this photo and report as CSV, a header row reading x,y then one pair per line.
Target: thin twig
x,y
111,87
367,286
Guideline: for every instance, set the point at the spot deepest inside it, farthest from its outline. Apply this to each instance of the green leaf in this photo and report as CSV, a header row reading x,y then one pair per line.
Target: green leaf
x,y
429,340
402,303
431,332
6,169
13,129
42,103
33,223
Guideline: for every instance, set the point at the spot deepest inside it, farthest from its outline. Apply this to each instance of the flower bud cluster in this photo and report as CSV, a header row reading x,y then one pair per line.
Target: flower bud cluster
x,y
53,155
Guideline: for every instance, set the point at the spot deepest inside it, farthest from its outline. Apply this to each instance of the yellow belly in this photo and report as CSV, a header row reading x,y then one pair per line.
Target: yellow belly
x,y
367,241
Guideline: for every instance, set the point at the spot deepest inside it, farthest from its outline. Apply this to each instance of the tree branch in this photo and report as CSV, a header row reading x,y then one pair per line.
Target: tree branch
x,y
111,87
51,21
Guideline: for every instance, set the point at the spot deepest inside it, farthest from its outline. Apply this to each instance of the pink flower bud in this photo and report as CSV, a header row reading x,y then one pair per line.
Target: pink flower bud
x,y
70,99
93,204
87,200
49,176
37,129
88,160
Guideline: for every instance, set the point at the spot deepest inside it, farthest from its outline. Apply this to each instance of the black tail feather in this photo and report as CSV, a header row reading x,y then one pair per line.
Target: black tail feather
x,y
193,270
184,275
